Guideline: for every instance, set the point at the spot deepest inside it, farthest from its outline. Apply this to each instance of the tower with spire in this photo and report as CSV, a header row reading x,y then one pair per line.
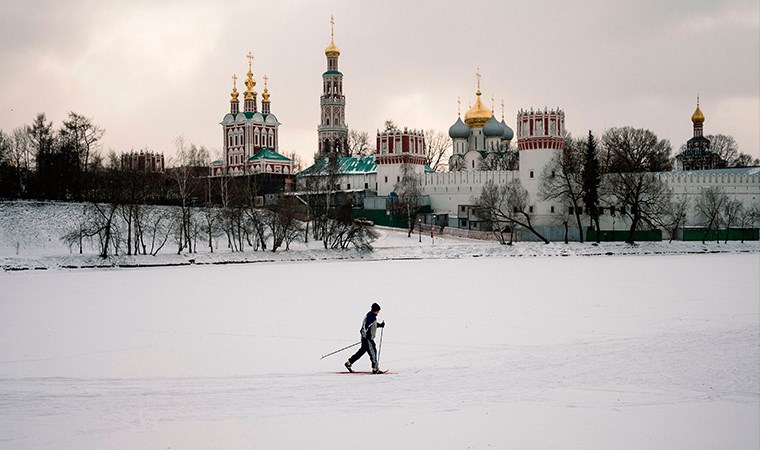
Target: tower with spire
x,y
332,131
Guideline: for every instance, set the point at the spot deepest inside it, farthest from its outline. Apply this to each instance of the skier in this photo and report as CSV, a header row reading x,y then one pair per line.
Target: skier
x,y
369,327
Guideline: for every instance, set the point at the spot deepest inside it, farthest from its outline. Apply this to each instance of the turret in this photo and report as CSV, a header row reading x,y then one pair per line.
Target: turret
x,y
234,102
265,108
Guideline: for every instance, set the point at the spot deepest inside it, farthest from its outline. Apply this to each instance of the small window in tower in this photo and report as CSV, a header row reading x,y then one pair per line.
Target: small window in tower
x,y
386,179
531,174
552,209
530,209
571,211
366,185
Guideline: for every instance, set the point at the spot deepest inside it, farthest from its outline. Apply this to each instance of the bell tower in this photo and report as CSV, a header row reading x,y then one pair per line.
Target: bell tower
x,y
332,130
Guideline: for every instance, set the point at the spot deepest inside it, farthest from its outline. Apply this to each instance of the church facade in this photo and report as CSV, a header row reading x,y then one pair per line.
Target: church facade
x,y
250,140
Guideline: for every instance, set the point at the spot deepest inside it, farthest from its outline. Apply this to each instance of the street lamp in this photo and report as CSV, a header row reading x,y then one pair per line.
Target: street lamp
x,y
432,227
420,228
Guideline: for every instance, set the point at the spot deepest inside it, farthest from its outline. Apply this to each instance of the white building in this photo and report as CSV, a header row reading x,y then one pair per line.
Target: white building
x,y
482,153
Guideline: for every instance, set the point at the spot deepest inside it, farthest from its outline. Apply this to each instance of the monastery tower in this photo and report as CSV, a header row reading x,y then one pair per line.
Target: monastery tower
x,y
332,130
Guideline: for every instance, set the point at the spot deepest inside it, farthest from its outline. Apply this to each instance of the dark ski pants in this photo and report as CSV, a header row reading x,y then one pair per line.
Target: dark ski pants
x,y
368,346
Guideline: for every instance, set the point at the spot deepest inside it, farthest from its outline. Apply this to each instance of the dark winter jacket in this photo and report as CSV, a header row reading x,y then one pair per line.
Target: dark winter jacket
x,y
369,326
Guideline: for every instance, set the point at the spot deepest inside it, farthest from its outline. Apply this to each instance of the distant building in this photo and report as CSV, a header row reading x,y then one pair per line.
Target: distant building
x,y
147,162
483,154
698,155
250,138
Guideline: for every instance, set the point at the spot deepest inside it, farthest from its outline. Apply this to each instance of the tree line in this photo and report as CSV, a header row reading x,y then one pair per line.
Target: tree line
x,y
618,175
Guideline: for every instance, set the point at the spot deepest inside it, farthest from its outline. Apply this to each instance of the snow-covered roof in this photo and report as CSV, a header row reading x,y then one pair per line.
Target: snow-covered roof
x,y
353,165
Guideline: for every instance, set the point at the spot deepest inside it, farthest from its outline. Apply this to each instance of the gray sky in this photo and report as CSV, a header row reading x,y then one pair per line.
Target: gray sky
x,y
150,71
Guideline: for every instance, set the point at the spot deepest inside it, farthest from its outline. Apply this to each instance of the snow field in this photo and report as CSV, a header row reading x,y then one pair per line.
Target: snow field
x,y
604,352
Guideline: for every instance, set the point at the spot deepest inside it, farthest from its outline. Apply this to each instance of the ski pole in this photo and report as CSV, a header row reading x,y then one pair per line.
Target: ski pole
x,y
380,347
344,348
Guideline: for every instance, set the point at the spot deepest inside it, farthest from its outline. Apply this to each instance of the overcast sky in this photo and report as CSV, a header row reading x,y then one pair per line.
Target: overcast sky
x,y
150,71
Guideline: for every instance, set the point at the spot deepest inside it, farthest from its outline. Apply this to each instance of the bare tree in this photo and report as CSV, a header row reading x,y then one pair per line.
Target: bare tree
x,y
157,223
343,232
732,212
632,155
189,159
709,208
296,160
674,217
100,222
283,225
84,136
635,150
359,143
409,194
437,149
562,179
745,160
507,203
749,217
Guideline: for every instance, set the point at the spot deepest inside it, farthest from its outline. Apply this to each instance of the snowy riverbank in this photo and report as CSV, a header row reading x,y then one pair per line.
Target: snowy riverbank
x,y
30,239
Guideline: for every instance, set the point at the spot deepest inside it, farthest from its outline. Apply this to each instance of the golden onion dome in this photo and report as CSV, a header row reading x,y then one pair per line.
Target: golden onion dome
x,y
265,94
234,93
478,115
332,50
698,117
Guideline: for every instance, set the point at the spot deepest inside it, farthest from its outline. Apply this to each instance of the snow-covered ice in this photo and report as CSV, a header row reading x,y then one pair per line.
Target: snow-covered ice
x,y
624,352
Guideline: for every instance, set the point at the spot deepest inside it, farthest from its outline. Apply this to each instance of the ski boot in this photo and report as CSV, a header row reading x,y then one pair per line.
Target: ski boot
x,y
348,366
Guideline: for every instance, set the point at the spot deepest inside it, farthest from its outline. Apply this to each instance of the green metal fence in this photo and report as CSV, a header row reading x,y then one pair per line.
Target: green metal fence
x,y
734,234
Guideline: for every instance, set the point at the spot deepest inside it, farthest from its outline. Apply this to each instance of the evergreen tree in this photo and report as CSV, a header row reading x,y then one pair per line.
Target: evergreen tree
x,y
591,180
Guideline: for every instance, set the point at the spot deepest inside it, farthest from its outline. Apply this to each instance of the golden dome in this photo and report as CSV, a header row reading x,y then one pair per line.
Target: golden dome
x,y
250,83
234,93
265,94
478,115
332,50
698,117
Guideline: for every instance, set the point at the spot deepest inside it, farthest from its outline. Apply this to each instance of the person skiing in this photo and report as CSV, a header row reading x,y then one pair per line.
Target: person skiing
x,y
369,327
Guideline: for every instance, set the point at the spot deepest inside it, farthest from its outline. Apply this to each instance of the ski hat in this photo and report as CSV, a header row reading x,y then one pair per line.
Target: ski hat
x,y
375,307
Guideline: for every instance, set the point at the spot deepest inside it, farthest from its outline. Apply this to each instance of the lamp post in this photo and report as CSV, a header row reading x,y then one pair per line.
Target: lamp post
x,y
419,224
432,227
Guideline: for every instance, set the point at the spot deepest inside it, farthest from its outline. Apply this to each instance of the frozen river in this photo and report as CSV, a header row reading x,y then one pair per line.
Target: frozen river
x,y
656,352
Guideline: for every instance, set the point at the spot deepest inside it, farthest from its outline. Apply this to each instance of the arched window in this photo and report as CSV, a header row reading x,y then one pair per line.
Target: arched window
x,y
256,137
271,139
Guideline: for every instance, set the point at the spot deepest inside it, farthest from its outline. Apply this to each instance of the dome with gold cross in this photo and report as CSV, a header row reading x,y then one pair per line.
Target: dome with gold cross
x,y
332,50
479,114
698,117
